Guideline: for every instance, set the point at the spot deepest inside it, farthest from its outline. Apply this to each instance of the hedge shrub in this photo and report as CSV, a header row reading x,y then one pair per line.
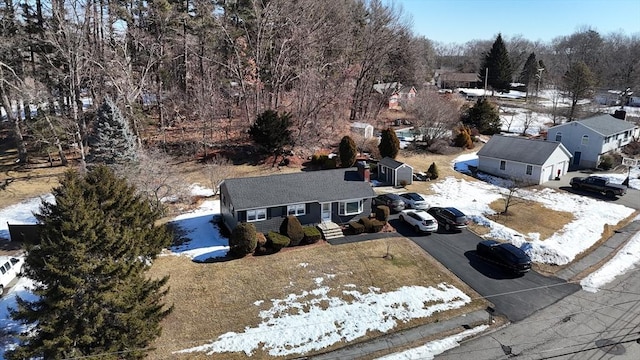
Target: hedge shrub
x,y
242,240
356,227
277,241
382,213
311,235
377,225
292,229
432,172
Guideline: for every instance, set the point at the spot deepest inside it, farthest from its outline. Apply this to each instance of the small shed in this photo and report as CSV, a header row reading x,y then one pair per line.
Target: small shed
x,y
394,172
362,129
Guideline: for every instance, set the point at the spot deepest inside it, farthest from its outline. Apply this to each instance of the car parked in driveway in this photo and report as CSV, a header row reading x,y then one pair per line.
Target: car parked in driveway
x,y
414,201
420,220
506,255
449,218
394,201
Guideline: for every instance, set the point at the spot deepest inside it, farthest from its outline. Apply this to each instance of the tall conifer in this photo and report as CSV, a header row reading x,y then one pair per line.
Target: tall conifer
x,y
97,241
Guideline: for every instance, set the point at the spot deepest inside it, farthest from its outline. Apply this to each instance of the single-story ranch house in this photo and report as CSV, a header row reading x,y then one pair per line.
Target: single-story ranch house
x,y
587,140
524,160
326,196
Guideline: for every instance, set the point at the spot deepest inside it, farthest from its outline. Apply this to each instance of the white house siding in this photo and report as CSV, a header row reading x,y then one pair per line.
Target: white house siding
x,y
517,171
513,170
572,134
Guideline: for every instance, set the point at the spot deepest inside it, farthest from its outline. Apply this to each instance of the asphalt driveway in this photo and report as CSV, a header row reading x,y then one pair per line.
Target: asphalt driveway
x,y
514,297
631,199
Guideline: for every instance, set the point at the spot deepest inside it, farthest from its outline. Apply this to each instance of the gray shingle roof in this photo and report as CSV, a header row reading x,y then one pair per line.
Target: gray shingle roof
x,y
607,124
391,163
534,152
296,188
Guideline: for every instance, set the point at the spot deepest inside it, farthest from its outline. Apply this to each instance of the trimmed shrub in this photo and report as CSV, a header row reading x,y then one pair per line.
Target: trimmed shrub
x,y
432,173
356,227
382,213
242,240
311,235
366,222
377,225
277,241
292,229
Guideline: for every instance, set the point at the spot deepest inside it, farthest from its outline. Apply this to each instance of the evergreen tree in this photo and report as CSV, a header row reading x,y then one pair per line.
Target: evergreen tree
x,y
483,116
93,296
271,131
578,81
529,72
389,144
500,72
348,152
112,141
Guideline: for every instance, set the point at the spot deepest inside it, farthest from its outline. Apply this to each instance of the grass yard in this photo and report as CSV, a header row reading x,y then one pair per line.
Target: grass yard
x,y
212,299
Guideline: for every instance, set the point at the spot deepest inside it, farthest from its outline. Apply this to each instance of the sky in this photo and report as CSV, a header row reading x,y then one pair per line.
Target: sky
x,y
459,21
347,319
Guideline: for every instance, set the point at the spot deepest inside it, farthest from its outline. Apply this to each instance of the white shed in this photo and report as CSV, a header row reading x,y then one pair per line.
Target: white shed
x,y
362,129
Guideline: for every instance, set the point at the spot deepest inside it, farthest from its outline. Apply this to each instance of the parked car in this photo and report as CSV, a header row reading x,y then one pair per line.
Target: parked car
x,y
10,268
449,218
394,201
598,184
414,201
505,255
420,220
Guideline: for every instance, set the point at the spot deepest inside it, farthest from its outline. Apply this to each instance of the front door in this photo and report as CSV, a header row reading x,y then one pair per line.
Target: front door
x,y
576,157
326,212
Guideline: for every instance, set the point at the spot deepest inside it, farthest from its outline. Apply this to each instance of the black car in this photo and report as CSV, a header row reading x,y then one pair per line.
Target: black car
x,y
393,201
505,255
449,218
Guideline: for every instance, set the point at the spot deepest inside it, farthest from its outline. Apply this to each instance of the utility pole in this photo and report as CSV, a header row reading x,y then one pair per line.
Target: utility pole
x,y
539,76
486,75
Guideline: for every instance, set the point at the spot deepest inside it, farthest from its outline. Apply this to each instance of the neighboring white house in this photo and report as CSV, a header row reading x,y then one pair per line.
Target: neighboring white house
x,y
524,160
363,129
588,139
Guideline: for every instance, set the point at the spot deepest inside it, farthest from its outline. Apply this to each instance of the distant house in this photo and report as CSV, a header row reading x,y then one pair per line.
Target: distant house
x,y
525,160
450,79
331,196
394,172
363,129
590,138
396,93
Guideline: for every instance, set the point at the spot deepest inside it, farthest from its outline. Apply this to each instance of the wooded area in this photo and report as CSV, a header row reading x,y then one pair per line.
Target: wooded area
x,y
202,71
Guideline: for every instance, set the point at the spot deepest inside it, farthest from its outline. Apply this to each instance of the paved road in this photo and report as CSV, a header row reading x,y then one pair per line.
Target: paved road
x,y
602,325
515,297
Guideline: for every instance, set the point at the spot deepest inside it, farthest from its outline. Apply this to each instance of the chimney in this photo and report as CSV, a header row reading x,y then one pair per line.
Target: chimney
x,y
363,171
620,114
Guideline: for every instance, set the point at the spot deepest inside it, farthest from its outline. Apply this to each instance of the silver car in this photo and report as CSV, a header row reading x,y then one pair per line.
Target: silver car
x,y
415,201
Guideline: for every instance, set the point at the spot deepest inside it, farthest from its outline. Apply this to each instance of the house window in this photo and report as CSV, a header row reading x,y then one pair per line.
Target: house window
x,y
607,139
296,210
626,135
585,140
256,215
558,136
503,164
382,169
350,207
529,169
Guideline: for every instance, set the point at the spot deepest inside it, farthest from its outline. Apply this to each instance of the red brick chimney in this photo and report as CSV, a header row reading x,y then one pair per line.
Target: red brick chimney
x,y
364,171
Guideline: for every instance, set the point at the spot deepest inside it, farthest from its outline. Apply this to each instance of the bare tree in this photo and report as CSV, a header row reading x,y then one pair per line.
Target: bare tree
x,y
218,170
434,116
527,122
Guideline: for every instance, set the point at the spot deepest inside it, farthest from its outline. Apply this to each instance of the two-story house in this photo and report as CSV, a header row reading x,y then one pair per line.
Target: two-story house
x,y
590,138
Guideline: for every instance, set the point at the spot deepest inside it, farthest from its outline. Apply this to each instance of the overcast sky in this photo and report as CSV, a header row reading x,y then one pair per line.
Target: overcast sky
x,y
459,21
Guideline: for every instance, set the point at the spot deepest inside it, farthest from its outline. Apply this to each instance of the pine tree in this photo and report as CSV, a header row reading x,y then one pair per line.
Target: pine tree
x,y
271,131
500,70
112,141
529,72
578,81
389,144
483,116
97,241
348,152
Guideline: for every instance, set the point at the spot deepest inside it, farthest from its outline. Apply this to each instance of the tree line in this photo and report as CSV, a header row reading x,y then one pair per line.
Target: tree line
x,y
217,60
